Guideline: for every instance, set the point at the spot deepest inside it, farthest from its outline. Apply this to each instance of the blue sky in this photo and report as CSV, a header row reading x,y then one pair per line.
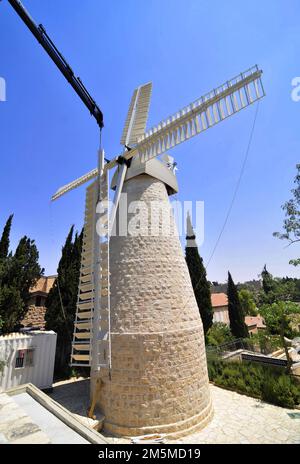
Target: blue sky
x,y
185,48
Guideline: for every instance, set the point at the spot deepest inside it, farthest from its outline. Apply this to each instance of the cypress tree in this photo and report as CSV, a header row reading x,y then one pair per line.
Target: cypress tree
x,y
18,274
236,315
4,241
24,269
198,278
62,298
267,280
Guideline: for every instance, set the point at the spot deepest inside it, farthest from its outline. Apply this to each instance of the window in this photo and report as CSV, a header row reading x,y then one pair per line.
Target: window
x,y
24,358
20,358
29,357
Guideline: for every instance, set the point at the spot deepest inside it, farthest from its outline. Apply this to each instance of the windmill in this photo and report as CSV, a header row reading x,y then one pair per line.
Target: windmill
x,y
137,323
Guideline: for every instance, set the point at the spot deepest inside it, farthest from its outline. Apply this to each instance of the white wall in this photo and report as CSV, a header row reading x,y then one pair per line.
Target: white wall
x,y
220,314
41,373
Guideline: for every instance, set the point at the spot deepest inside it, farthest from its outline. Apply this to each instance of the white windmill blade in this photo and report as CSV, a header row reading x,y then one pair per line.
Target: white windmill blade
x,y
212,108
120,182
75,183
136,120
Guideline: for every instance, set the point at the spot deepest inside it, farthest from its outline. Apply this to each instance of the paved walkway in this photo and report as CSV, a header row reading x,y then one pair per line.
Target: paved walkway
x,y
237,418
241,419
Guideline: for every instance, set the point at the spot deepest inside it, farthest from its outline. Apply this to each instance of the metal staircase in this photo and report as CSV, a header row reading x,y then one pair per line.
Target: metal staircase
x,y
91,338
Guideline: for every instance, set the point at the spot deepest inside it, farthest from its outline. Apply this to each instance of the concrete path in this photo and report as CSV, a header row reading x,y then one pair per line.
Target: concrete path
x,y
237,418
241,419
55,429
17,427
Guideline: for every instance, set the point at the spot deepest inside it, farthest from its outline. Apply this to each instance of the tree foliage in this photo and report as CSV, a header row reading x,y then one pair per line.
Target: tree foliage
x,y
291,223
278,314
62,298
267,280
236,315
4,241
266,382
247,302
278,320
199,281
218,334
278,289
18,273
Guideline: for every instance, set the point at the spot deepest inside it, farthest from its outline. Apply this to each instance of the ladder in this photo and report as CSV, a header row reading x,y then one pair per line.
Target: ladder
x,y
91,337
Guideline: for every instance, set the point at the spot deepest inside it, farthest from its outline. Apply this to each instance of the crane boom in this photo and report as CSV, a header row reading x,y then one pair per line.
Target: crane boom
x,y
41,35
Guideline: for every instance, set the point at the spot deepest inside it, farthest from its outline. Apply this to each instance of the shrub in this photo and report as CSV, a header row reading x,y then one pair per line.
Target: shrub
x,y
267,383
218,334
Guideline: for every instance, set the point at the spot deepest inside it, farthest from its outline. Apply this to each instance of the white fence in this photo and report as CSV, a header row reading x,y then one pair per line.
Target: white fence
x,y
28,358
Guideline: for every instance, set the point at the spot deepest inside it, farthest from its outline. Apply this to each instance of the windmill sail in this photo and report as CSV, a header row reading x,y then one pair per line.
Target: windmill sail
x,y
212,108
74,184
136,120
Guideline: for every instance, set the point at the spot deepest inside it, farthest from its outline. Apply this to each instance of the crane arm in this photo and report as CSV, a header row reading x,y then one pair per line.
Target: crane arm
x,y
41,35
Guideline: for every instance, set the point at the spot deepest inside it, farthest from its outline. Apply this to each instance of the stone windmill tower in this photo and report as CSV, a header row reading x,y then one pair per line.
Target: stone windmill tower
x,y
137,323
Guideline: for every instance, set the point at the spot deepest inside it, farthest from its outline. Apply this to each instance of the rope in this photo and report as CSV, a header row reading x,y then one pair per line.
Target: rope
x,y
58,287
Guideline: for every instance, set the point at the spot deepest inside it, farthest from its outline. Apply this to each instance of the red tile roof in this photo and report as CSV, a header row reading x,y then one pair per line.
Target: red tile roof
x,y
255,320
219,299
44,284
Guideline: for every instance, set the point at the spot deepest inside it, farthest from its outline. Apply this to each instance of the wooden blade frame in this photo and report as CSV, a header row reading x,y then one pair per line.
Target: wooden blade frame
x,y
212,108
136,120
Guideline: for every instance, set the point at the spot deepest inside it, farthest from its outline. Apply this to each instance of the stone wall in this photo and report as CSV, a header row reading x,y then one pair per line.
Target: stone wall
x,y
35,317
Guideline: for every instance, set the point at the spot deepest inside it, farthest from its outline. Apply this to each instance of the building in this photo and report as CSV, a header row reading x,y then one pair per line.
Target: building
x,y
255,324
219,303
35,316
158,380
28,358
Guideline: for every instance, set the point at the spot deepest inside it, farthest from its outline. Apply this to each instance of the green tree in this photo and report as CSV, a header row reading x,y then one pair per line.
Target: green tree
x,y
267,280
291,223
274,313
4,241
198,278
236,315
19,272
62,298
278,317
219,333
276,289
24,269
11,308
247,302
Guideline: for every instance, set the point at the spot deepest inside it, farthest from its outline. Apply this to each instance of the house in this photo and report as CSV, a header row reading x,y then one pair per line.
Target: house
x,y
35,316
219,303
255,324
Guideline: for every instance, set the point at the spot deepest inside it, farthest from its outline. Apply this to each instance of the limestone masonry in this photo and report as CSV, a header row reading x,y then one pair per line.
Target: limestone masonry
x,y
159,380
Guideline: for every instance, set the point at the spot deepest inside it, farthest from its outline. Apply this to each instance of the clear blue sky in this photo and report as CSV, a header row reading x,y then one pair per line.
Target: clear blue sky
x,y
186,48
